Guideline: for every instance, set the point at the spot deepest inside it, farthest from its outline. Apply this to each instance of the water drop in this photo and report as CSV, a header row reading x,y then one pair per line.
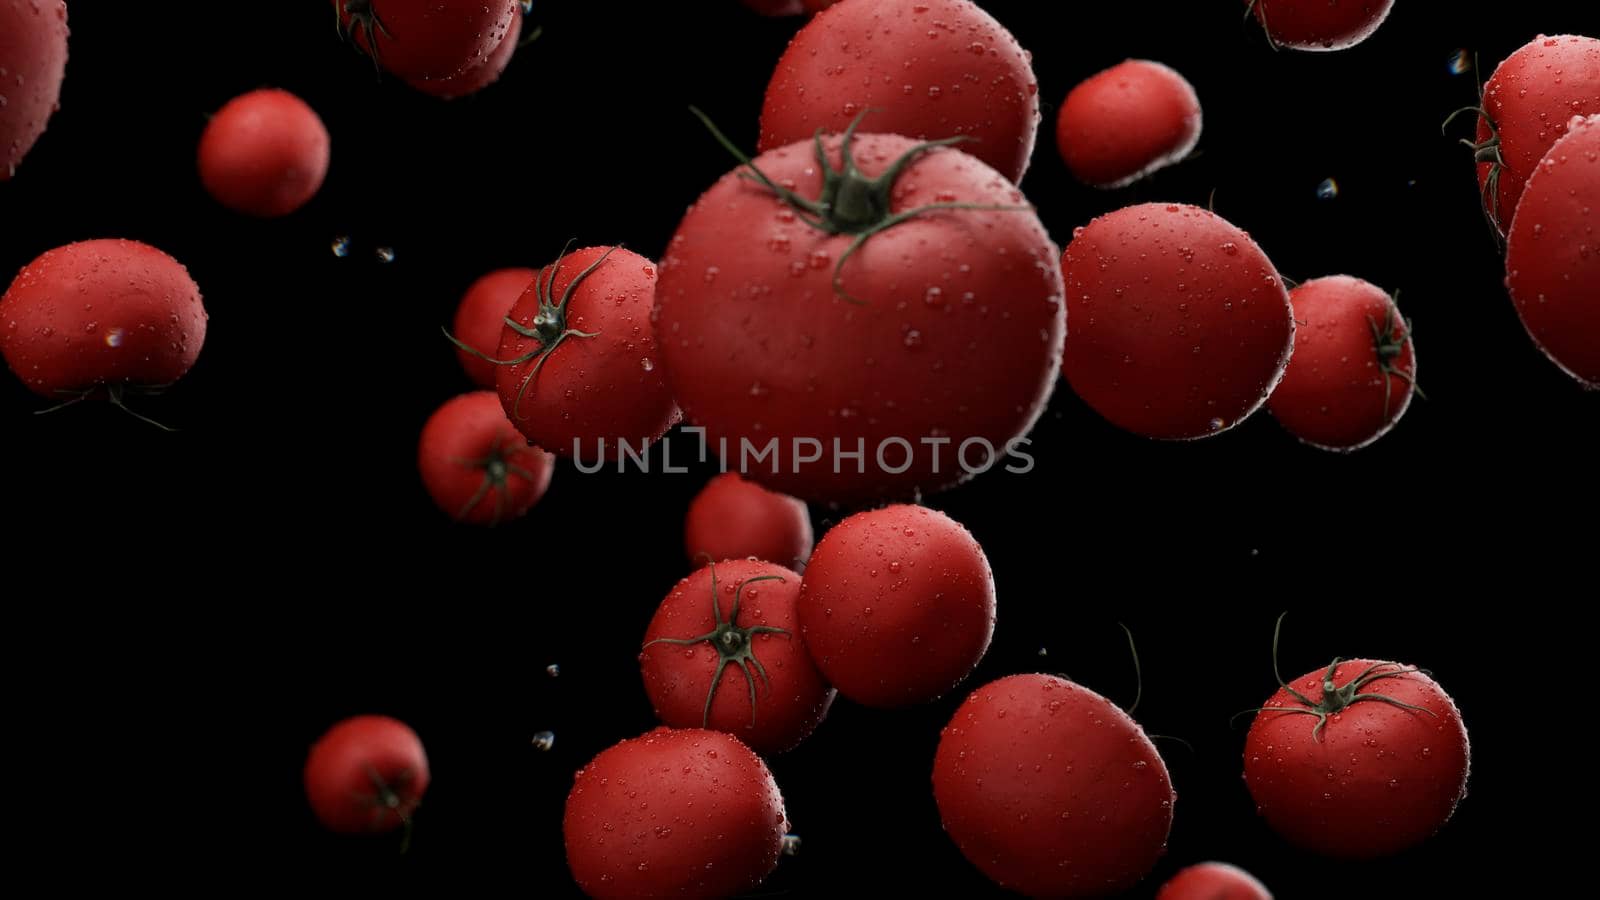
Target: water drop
x,y
385,255
1460,62
341,246
1328,189
791,845
552,670
544,740
114,337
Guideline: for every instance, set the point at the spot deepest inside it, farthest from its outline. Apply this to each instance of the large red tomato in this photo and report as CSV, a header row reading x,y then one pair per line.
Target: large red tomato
x,y
860,302
33,58
367,774
1527,103
724,651
1553,254
1363,759
1051,790
927,70
415,39
1320,24
1180,324
673,813
897,605
479,75
577,368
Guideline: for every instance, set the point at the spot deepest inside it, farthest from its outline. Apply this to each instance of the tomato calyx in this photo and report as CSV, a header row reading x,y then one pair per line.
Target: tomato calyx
x,y
1485,151
1336,698
549,325
850,203
734,645
363,21
1389,342
497,466
386,798
114,394
1256,8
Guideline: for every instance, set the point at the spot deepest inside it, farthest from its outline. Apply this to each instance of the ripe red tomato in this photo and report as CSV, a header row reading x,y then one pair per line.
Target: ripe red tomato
x,y
724,651
1552,261
1365,759
1051,790
1213,881
865,325
367,774
112,314
1526,105
927,70
415,39
33,52
673,813
897,605
481,317
1180,324
264,154
1122,124
476,466
732,518
576,369
1320,24
1353,370
479,75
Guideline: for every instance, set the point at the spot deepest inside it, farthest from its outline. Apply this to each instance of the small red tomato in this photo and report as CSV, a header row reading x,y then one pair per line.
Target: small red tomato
x,y
1353,370
367,774
673,813
724,651
475,464
577,360
1320,24
1552,257
415,39
732,518
264,154
118,314
928,70
897,605
1364,759
1527,103
478,76
1180,324
1126,122
33,60
1213,881
1051,790
481,317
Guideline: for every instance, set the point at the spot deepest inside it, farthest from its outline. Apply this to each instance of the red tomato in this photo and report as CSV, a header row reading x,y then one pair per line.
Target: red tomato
x,y
1320,24
367,774
673,813
927,70
264,154
479,75
115,314
897,605
1051,790
33,53
415,39
1126,122
1526,105
874,323
576,371
1213,881
476,466
1552,261
1180,324
481,317
1365,759
732,518
1353,369
731,657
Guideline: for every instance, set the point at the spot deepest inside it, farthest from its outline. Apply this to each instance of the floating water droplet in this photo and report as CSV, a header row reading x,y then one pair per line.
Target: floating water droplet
x,y
1460,62
385,254
791,845
1216,423
1044,651
552,670
1328,189
544,740
341,246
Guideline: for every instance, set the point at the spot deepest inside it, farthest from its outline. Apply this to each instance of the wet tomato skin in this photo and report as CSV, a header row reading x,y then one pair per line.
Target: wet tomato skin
x,y
1213,881
673,813
33,50
733,518
1127,122
481,318
429,38
479,75
1321,24
1051,790
1377,779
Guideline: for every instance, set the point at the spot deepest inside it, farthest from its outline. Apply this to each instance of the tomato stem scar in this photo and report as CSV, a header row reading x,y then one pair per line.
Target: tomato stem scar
x,y
497,471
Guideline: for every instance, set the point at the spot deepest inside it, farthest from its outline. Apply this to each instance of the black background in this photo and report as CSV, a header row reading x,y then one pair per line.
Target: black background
x,y
190,611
